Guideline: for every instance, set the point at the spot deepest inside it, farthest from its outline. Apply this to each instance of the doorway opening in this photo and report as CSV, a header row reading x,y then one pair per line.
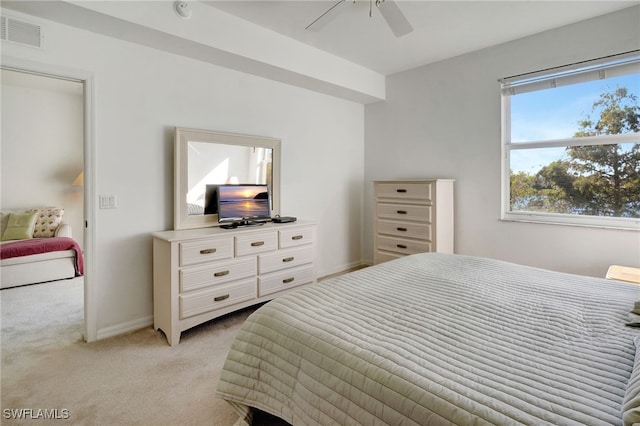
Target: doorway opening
x,y
46,142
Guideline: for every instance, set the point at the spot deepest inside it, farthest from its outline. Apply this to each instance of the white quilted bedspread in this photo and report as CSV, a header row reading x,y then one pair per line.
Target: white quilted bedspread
x,y
437,339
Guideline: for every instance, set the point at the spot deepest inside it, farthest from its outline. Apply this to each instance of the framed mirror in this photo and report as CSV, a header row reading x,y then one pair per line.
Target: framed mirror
x,y
205,159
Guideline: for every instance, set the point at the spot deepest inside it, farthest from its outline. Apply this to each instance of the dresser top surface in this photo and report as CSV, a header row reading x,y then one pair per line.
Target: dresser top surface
x,y
216,231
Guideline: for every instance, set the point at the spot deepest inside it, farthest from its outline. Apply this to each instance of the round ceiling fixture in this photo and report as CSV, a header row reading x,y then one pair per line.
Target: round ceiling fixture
x,y
182,9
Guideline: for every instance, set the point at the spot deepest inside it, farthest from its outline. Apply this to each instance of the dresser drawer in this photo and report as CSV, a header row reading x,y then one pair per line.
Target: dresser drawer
x,y
404,212
254,243
198,277
215,298
295,237
420,231
216,248
282,259
402,245
414,191
284,280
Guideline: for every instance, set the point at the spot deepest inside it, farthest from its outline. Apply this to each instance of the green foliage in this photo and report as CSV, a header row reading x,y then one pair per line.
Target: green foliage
x,y
618,113
598,180
522,190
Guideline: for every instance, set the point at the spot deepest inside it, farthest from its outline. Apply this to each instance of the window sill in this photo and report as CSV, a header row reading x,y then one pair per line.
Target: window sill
x,y
613,223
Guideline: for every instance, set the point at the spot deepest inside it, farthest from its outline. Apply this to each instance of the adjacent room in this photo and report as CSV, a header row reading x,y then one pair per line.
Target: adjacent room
x,y
42,183
327,212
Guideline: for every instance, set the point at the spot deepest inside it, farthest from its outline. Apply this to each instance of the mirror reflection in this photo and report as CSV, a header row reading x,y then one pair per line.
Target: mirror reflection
x,y
216,164
205,159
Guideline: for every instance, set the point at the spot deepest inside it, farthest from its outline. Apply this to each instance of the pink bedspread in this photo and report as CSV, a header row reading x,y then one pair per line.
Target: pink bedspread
x,y
43,245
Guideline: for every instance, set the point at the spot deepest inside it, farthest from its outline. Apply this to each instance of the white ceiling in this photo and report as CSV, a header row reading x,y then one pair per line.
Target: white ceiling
x,y
442,29
348,58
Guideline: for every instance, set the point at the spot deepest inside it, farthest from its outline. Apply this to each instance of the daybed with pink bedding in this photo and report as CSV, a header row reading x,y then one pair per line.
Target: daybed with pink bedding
x,y
50,254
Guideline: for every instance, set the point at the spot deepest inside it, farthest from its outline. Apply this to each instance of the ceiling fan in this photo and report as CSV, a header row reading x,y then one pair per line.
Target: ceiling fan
x,y
388,9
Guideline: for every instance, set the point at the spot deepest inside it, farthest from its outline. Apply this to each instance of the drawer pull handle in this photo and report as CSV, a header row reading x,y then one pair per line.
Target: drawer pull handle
x,y
402,246
208,251
402,229
401,190
297,237
288,259
287,280
401,211
257,244
221,273
220,298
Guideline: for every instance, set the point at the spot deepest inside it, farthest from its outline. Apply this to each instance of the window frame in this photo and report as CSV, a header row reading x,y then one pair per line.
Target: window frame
x,y
507,147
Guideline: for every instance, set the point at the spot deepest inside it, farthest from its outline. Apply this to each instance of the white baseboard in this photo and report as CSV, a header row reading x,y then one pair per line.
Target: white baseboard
x,y
342,270
125,327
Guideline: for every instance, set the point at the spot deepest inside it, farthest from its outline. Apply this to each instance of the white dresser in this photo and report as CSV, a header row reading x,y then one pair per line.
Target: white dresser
x,y
201,274
412,216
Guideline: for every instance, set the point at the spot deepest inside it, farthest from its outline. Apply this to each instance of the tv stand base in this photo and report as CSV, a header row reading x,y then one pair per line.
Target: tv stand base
x,y
243,222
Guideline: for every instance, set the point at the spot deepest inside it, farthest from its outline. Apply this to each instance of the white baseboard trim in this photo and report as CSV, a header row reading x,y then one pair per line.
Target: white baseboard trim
x,y
342,270
125,327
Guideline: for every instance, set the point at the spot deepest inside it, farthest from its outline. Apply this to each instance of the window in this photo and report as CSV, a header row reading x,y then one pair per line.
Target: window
x,y
571,144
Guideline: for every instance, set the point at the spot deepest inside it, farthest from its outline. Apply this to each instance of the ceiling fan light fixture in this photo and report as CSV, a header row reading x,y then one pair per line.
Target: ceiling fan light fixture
x,y
390,11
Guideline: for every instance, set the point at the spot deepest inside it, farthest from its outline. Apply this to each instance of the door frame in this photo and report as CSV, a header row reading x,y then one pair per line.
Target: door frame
x,y
88,81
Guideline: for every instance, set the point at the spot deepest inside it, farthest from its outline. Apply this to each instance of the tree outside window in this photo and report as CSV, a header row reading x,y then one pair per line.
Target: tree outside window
x,y
571,144
597,180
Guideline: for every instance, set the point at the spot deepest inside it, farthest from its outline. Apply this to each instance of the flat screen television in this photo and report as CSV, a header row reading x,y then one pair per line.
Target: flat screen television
x,y
243,204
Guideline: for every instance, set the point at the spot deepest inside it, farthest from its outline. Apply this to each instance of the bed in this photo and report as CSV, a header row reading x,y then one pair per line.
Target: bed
x,y
37,246
38,260
433,339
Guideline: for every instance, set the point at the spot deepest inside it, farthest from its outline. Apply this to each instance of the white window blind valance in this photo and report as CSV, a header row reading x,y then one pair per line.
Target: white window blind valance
x,y
597,69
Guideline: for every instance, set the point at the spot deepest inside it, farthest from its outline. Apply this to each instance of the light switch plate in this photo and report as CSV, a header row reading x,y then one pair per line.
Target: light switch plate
x,y
107,201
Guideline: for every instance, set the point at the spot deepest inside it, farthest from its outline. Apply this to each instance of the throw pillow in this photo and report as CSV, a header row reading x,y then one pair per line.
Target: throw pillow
x,y
4,219
20,226
47,221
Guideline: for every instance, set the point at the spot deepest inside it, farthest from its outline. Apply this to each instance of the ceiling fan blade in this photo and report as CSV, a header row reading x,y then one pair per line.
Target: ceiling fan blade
x,y
326,17
395,18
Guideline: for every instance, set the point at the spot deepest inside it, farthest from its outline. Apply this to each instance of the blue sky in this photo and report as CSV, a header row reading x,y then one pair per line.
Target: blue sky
x,y
554,114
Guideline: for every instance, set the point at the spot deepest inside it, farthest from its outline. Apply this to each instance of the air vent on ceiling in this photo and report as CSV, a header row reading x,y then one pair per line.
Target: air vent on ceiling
x,y
21,32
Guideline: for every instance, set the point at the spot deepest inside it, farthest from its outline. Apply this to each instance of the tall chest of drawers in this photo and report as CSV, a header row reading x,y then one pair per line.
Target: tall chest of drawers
x,y
412,216
201,274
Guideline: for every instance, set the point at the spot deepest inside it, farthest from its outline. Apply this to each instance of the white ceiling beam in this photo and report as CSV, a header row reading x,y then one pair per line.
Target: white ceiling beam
x,y
216,37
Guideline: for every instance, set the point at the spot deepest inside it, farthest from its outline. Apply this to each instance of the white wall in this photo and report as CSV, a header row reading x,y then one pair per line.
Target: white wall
x,y
42,145
140,95
443,120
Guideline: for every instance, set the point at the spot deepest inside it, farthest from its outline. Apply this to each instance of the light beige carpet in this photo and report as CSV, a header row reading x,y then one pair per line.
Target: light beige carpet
x,y
135,379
